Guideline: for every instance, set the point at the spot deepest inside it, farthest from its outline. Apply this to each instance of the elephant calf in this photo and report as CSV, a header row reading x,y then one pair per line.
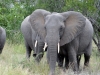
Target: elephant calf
x,y
2,38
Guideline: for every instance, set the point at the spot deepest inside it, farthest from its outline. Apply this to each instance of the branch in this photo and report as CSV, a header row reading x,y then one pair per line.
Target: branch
x,y
95,41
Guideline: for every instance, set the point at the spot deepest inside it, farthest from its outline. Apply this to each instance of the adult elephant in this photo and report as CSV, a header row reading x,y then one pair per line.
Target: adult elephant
x,y
2,38
32,41
58,29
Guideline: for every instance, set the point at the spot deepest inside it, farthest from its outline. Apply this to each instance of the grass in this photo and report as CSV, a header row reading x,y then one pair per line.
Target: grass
x,y
13,62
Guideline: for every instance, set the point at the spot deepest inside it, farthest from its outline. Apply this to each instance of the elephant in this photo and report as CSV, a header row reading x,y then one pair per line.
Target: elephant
x,y
32,40
2,38
70,29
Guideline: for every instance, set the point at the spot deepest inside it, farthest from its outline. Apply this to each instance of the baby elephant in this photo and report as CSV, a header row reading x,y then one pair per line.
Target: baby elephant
x,y
2,38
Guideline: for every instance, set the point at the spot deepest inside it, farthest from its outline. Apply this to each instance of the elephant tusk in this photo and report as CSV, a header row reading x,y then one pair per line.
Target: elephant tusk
x,y
35,43
58,47
45,46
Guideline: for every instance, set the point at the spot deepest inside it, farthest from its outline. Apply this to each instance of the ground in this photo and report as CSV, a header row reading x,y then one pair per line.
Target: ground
x,y
13,62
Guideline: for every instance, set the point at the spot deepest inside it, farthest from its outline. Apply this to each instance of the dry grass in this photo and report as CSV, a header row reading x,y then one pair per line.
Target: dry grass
x,y
13,62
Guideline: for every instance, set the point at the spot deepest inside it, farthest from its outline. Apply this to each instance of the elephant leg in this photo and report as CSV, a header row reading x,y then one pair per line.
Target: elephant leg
x,y
73,58
28,51
87,58
48,57
78,60
1,48
60,60
66,62
87,55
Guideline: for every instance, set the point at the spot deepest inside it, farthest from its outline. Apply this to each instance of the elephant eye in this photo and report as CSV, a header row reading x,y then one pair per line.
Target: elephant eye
x,y
61,31
61,28
45,27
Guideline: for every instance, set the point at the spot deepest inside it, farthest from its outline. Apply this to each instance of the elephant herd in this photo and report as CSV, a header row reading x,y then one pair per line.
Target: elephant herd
x,y
65,36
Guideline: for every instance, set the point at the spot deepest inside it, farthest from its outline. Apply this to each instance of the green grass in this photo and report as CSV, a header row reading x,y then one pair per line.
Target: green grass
x,y
13,62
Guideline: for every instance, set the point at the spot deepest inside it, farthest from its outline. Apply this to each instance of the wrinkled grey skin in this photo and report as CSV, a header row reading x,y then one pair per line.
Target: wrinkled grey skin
x,y
2,38
30,38
63,54
70,29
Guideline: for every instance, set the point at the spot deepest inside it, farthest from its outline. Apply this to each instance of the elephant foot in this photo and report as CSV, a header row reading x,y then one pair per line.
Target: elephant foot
x,y
60,66
77,72
85,67
86,64
51,73
67,67
62,69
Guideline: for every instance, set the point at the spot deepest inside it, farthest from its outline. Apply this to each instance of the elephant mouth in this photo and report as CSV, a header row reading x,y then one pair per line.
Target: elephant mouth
x,y
45,47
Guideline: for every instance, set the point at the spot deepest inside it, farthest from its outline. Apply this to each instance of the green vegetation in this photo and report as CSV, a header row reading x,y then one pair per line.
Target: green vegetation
x,y
13,62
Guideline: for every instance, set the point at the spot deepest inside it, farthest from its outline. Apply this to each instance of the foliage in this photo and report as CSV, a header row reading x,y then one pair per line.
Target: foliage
x,y
11,18
12,12
51,5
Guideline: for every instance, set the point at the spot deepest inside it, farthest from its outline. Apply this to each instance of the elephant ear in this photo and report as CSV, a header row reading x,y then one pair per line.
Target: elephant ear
x,y
74,25
37,20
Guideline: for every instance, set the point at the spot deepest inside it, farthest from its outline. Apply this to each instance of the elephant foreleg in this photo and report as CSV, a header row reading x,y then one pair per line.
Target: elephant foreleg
x,y
73,58
28,51
60,60
48,57
66,62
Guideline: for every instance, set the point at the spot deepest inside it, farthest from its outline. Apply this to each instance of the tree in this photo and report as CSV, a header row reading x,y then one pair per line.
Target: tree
x,y
51,5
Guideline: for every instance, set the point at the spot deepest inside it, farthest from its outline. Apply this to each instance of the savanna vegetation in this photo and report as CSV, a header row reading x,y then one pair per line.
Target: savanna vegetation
x,y
12,12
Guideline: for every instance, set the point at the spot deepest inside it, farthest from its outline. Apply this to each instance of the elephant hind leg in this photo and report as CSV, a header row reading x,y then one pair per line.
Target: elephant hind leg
x,y
28,51
87,58
87,55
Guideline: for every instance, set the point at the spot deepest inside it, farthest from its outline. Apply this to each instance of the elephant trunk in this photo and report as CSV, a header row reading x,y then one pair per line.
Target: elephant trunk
x,y
39,51
52,57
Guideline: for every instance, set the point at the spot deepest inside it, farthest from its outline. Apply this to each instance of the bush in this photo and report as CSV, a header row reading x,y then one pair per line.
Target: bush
x,y
11,19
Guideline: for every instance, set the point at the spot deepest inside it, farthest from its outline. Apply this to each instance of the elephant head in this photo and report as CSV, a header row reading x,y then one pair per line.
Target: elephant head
x,y
56,29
